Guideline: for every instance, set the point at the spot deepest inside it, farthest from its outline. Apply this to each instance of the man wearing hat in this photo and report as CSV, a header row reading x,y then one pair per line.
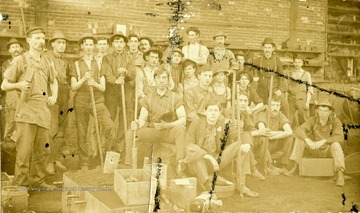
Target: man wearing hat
x,y
221,91
222,57
10,98
145,43
30,74
240,61
152,126
119,69
86,73
145,81
59,110
321,136
269,61
194,50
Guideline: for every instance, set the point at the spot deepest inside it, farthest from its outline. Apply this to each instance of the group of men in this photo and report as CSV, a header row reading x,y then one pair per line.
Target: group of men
x,y
188,97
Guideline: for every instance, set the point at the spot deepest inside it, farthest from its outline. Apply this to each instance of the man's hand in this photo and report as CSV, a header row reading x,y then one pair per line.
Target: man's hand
x,y
51,100
249,110
120,80
91,82
278,92
134,125
310,143
319,144
160,126
245,148
122,71
88,75
265,132
24,85
255,78
306,105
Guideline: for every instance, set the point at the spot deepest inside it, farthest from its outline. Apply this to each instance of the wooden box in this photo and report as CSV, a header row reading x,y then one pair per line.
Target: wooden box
x,y
132,193
316,167
182,195
5,179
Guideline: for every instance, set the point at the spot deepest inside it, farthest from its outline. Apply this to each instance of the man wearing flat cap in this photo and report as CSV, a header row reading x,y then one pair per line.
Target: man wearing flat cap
x,y
119,69
59,110
269,61
86,73
30,74
222,57
321,136
10,98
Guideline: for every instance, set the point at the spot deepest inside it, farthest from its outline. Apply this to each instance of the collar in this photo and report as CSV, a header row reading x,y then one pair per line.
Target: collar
x,y
167,93
219,48
149,69
201,89
219,84
57,55
116,53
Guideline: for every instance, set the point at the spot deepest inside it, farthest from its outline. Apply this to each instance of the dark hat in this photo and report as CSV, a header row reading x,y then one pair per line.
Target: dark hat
x,y
324,102
220,69
34,30
188,62
58,35
219,34
178,51
268,41
247,74
120,34
87,36
299,56
239,53
152,49
147,38
13,41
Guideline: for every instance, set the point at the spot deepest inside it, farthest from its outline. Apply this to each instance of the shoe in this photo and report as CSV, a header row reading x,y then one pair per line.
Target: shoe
x,y
60,165
44,185
272,172
50,169
256,174
290,172
247,192
223,182
340,178
276,169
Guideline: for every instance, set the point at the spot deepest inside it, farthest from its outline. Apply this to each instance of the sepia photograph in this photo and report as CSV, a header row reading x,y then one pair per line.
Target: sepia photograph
x,y
118,106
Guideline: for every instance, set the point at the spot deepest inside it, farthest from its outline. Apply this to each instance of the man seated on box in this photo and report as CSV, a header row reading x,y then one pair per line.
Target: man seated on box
x,y
204,144
162,119
321,136
276,135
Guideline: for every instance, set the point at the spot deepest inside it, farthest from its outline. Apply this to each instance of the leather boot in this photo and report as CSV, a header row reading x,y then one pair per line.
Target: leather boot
x,y
340,178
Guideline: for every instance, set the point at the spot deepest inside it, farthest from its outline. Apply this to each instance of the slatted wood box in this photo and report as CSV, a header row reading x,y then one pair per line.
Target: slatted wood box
x,y
316,167
132,193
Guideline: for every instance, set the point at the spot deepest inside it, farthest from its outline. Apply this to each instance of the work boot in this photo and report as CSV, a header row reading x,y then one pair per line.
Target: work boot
x,y
291,172
256,174
340,178
50,168
60,165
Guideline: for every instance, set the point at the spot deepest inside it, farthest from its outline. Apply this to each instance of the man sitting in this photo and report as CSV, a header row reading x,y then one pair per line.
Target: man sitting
x,y
321,136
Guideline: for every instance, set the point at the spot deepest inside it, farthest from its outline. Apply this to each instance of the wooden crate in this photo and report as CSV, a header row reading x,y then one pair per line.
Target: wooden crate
x,y
132,193
316,167
183,195
108,202
5,179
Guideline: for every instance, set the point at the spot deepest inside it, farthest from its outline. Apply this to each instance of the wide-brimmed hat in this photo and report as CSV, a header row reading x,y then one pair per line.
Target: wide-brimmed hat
x,y
268,40
219,34
118,34
34,30
239,53
177,50
13,41
247,74
58,35
147,38
87,36
219,70
324,102
152,49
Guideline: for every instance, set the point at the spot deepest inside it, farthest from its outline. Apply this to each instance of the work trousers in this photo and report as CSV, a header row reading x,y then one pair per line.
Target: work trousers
x,y
175,135
10,124
329,150
58,125
297,104
32,151
203,170
82,121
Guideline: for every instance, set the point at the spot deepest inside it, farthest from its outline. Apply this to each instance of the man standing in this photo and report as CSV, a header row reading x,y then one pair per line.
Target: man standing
x,y
194,50
102,46
85,74
119,69
145,44
10,98
197,97
31,73
152,127
321,136
269,61
60,109
145,82
176,71
222,57
134,53
279,137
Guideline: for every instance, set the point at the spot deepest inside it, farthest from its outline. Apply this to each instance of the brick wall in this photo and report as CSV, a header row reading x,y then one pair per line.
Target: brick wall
x,y
246,22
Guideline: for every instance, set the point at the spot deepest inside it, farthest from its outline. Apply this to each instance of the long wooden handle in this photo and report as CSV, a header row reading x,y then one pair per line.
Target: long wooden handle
x,y
134,149
96,125
233,96
124,108
268,120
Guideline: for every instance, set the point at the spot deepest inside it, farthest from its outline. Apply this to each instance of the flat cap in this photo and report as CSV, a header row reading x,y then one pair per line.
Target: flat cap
x,y
35,30
58,35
